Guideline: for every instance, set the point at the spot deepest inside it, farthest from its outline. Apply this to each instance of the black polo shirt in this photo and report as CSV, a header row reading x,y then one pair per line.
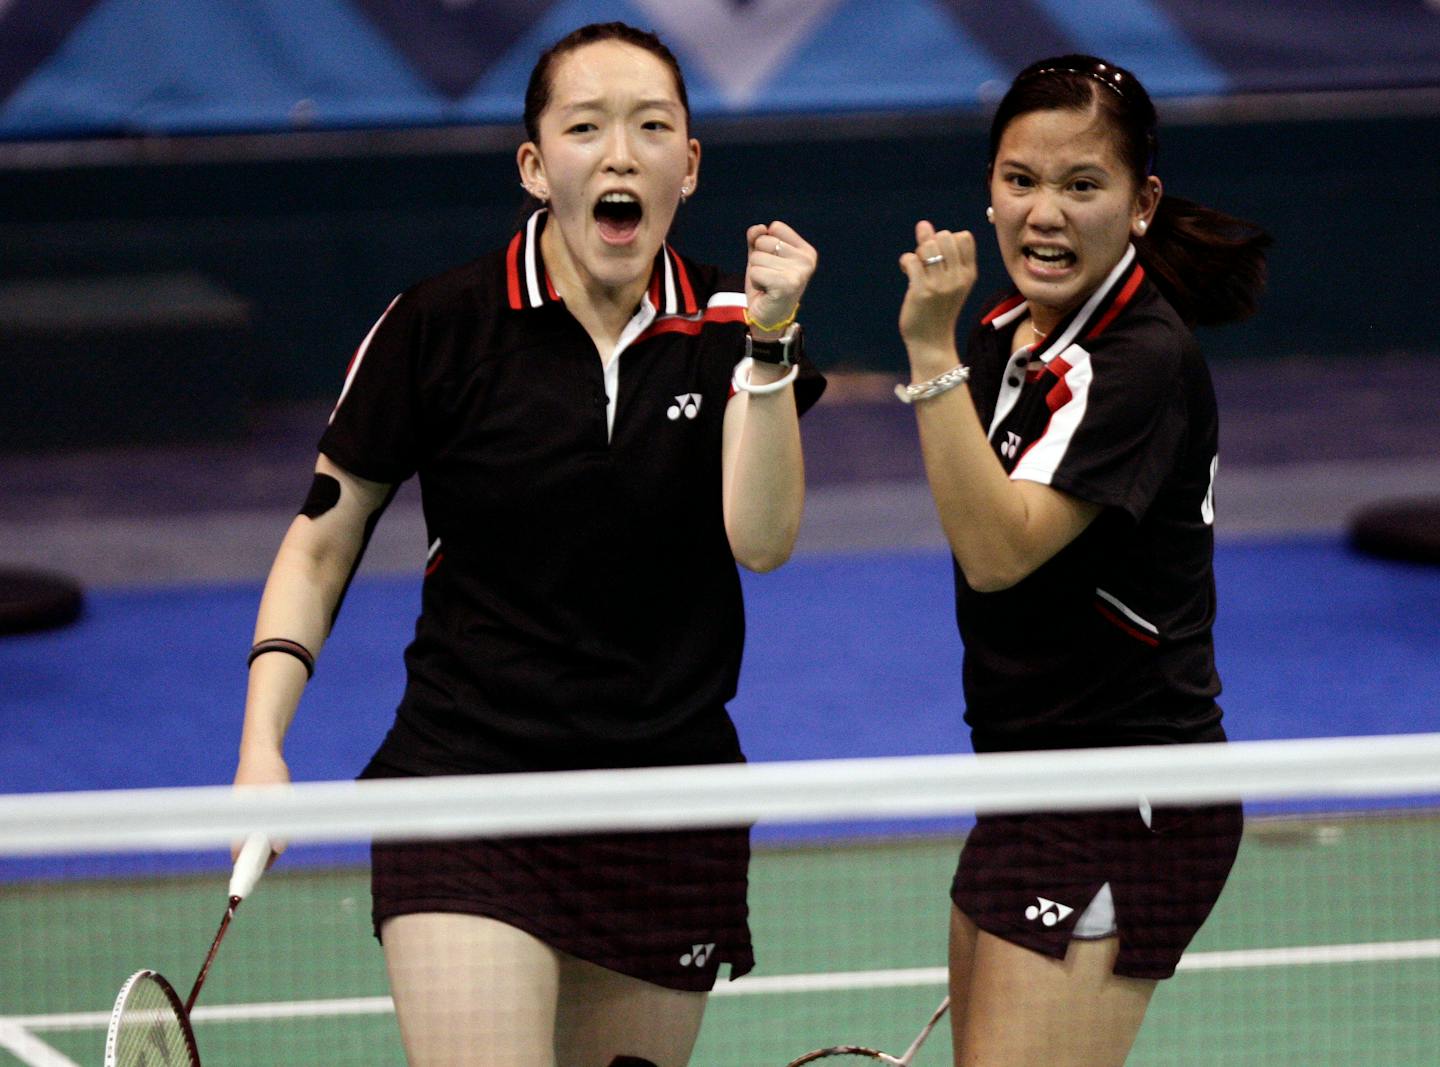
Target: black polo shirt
x,y
1109,642
581,606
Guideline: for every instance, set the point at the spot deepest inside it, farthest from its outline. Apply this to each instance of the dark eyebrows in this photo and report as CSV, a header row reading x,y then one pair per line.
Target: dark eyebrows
x,y
1079,168
656,104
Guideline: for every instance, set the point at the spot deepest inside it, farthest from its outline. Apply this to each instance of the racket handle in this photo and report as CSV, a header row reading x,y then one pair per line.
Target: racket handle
x,y
250,865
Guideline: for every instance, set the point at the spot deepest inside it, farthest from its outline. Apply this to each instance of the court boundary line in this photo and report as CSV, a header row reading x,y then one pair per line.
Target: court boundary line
x,y
29,1049
763,985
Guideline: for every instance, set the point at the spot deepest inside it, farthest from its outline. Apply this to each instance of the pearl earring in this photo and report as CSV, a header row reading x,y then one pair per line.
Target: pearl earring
x,y
990,215
1141,225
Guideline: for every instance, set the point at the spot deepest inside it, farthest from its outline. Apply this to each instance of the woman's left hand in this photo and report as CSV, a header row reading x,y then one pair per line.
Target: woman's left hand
x,y
780,265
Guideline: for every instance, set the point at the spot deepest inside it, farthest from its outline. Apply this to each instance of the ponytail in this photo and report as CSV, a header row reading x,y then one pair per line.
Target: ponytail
x,y
1209,265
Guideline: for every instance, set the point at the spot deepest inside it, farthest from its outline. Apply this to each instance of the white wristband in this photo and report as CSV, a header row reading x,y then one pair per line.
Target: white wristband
x,y
742,379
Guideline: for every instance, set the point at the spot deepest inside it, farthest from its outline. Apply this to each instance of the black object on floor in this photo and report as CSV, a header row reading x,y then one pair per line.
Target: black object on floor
x,y
37,600
1406,530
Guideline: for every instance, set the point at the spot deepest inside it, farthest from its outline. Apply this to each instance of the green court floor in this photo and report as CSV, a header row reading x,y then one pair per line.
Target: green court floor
x,y
1325,950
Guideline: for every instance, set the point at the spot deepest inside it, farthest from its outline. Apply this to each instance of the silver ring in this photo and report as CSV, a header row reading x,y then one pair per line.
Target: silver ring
x,y
930,261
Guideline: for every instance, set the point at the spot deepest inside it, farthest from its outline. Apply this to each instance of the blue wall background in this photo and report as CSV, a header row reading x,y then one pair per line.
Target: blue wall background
x,y
89,67
185,279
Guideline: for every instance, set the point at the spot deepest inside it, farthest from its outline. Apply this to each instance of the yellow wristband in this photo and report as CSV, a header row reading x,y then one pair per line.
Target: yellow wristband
x,y
776,327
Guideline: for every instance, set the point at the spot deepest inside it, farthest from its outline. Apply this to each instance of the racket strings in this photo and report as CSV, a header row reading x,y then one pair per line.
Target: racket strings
x,y
148,1028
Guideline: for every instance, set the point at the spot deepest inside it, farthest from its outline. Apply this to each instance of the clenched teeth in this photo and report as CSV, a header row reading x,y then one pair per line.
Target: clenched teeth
x,y
1048,253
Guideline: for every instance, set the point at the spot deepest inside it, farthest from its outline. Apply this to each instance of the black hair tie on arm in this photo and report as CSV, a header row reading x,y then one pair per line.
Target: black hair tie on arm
x,y
290,648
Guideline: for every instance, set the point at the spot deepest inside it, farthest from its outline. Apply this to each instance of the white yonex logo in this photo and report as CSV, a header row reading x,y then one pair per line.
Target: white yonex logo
x,y
687,404
1048,911
697,955
1011,445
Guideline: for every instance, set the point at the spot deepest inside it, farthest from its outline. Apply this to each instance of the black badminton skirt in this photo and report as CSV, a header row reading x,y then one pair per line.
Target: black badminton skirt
x,y
666,908
1028,878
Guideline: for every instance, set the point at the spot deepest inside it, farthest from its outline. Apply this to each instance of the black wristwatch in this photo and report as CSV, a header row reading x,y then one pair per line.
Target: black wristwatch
x,y
784,350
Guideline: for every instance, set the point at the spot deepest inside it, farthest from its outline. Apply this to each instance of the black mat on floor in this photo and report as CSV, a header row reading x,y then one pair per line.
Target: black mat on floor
x,y
37,600
1400,529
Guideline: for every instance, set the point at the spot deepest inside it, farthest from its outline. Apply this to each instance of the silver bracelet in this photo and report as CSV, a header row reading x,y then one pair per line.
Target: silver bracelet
x,y
941,383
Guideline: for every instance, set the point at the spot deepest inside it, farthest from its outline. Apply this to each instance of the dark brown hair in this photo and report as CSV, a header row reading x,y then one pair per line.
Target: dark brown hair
x,y
537,93
1209,265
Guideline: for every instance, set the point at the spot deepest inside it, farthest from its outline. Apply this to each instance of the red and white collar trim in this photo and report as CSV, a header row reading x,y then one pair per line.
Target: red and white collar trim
x,y
528,284
1091,320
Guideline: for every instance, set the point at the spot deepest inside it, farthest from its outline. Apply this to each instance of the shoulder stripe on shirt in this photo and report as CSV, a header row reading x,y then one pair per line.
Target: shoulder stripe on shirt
x,y
1005,312
687,293
512,271
1126,294
532,281
1042,459
722,307
1059,394
359,357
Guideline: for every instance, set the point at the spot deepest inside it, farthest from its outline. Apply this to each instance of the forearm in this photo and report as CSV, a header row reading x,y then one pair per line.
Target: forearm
x,y
301,595
299,601
764,477
999,530
981,513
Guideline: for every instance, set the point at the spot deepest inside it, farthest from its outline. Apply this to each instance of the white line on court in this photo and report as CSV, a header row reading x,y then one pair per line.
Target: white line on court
x,y
1239,959
29,1049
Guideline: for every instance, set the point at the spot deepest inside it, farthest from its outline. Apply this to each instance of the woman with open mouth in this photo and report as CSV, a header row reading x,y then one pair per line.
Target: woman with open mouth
x,y
1072,460
602,429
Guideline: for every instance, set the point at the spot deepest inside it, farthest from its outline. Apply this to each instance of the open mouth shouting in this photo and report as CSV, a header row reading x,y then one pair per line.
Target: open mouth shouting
x,y
618,216
1048,259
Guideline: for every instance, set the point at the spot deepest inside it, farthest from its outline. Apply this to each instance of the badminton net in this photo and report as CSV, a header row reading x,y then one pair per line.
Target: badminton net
x,y
1323,949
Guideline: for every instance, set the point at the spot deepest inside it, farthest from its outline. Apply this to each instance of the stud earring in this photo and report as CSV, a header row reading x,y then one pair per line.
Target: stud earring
x,y
1141,226
684,192
990,215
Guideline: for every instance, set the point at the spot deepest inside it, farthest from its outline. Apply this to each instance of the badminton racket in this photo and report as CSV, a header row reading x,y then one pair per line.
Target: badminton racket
x,y
149,1026
857,1053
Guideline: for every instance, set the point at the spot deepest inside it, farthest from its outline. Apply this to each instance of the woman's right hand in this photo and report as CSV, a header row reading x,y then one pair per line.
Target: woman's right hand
x,y
261,768
936,294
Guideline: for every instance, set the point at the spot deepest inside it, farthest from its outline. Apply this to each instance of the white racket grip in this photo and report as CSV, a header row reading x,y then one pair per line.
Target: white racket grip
x,y
250,865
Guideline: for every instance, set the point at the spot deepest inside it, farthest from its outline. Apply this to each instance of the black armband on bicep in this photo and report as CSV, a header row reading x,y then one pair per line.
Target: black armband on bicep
x,y
324,494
